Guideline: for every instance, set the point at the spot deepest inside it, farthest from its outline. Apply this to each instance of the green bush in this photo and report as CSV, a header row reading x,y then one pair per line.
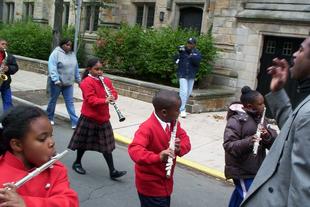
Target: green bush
x,y
28,39
147,54
34,40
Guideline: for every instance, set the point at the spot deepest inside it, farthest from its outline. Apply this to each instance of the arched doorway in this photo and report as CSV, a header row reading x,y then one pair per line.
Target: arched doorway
x,y
191,17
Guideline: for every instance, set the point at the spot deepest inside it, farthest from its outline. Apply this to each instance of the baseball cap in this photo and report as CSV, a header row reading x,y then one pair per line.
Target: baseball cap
x,y
191,40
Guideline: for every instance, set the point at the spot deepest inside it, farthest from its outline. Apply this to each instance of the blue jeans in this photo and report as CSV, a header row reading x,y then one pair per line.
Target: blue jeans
x,y
6,95
186,88
67,93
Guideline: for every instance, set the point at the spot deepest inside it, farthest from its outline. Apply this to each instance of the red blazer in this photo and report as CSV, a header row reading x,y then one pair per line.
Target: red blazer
x,y
149,140
49,189
94,97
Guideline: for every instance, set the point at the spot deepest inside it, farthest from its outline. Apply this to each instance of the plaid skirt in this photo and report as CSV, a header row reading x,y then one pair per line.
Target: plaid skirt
x,y
89,135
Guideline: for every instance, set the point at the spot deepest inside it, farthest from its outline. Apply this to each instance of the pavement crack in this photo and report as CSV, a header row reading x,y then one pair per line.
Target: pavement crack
x,y
89,197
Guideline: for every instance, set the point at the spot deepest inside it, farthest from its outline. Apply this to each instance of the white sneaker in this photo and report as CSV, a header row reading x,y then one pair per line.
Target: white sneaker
x,y
73,127
183,114
52,123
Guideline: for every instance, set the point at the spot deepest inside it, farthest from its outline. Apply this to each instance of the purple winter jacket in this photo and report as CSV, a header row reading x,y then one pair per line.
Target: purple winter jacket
x,y
240,162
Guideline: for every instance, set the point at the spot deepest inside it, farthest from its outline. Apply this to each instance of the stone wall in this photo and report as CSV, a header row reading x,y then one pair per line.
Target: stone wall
x,y
212,99
31,64
239,36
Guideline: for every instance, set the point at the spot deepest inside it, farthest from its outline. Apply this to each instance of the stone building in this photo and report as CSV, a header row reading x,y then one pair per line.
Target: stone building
x,y
248,33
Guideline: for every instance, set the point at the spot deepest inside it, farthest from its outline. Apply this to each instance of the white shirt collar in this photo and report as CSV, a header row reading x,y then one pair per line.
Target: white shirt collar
x,y
162,123
93,76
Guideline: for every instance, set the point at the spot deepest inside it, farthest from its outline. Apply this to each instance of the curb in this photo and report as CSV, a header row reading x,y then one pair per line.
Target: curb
x,y
124,140
191,164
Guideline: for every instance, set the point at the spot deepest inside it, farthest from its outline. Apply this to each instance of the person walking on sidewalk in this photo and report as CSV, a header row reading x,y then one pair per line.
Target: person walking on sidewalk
x,y
8,67
243,121
150,150
94,131
63,71
284,178
188,61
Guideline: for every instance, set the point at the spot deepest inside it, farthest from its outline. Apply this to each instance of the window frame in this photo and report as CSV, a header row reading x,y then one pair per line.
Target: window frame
x,y
10,12
146,20
28,10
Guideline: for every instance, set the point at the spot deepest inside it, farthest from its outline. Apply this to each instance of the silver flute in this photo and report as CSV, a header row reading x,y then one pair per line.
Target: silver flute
x,y
258,132
38,170
169,163
107,90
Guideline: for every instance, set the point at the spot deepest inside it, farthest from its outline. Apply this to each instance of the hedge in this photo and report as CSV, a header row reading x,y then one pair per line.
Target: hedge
x,y
34,40
147,54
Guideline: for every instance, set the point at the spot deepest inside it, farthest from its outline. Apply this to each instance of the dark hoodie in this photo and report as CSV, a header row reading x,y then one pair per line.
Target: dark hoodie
x,y
13,68
240,162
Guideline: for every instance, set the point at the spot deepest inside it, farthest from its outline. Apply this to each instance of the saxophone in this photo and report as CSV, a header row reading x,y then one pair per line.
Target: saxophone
x,y
3,77
169,163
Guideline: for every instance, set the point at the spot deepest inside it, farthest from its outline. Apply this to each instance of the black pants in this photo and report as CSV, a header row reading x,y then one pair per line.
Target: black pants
x,y
149,201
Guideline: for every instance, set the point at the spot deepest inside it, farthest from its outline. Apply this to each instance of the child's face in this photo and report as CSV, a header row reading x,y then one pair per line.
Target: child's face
x,y
96,70
3,45
38,145
258,105
173,112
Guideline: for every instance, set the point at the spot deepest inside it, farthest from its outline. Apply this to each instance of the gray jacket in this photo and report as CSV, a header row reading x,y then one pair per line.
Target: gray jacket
x,y
284,177
63,67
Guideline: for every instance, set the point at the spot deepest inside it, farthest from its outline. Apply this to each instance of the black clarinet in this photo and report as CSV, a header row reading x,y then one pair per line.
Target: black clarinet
x,y
107,90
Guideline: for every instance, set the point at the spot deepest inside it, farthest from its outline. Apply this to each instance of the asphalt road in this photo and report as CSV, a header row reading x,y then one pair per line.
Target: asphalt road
x,y
191,189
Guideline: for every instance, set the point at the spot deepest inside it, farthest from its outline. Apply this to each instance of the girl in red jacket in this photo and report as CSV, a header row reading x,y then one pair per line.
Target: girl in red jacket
x,y
150,150
26,141
94,131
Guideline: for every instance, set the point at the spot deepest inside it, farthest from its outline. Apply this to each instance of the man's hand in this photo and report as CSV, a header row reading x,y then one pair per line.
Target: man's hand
x,y
177,145
5,69
279,73
58,83
264,133
9,197
165,154
110,99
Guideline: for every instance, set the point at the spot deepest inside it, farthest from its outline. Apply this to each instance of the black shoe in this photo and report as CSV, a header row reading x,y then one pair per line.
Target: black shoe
x,y
77,167
117,174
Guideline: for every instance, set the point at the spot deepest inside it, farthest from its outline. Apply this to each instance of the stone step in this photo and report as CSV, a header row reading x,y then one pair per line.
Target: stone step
x,y
215,98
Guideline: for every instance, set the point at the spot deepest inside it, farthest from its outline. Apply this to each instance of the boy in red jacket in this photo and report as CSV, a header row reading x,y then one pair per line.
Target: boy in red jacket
x,y
150,150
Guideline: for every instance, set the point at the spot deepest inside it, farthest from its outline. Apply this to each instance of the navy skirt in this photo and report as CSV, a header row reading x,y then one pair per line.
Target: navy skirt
x,y
90,135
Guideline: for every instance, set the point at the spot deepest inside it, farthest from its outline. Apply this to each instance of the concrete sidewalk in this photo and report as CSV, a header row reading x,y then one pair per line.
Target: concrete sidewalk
x,y
205,129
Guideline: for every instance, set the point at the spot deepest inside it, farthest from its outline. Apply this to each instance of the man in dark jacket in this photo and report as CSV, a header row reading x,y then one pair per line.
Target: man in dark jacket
x,y
8,67
188,61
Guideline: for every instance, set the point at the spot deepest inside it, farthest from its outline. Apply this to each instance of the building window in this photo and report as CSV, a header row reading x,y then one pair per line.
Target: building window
x,y
10,10
287,49
271,47
28,10
66,12
139,19
92,18
145,15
